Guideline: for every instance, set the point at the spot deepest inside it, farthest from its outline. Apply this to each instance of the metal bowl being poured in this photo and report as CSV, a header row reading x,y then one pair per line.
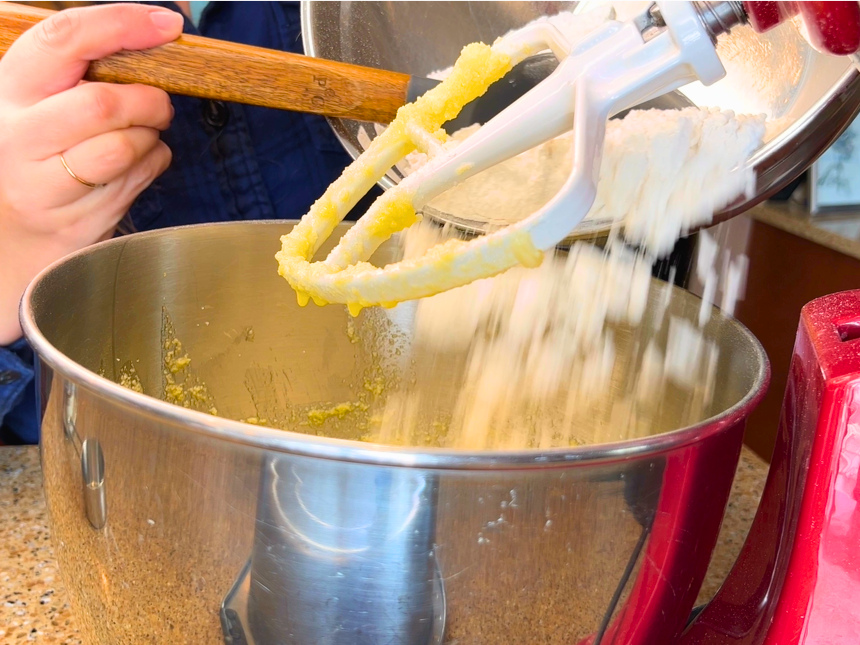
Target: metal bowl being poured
x,y
808,97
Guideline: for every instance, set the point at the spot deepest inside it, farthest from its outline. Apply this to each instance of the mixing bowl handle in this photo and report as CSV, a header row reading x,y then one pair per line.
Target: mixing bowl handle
x,y
799,570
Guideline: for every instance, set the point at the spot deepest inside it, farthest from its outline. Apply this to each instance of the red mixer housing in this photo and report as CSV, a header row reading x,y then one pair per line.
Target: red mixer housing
x,y
797,579
831,27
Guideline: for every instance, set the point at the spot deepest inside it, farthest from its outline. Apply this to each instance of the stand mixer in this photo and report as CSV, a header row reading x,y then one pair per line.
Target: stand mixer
x,y
212,530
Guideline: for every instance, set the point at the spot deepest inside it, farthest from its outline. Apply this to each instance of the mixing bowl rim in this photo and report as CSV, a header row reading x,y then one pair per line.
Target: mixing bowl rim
x,y
287,441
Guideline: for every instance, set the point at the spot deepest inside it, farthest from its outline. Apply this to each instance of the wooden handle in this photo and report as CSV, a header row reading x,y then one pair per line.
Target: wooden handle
x,y
216,69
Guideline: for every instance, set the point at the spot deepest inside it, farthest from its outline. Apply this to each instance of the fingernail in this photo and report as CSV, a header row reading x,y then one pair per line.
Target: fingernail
x,y
167,20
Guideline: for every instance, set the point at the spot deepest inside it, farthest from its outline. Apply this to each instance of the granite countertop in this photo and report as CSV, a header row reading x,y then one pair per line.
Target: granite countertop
x,y
34,604
35,607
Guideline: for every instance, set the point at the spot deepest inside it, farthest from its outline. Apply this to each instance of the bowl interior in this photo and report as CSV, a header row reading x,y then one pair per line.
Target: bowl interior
x,y
137,308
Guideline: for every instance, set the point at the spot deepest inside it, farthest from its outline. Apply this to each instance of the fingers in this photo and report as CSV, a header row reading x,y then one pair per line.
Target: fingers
x,y
104,158
147,170
122,191
53,56
104,207
110,161
91,109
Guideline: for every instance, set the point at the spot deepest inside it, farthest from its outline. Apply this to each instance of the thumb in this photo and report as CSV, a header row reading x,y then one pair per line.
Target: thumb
x,y
54,55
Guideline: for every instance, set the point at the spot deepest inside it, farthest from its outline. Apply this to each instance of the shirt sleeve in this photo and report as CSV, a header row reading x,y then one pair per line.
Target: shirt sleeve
x,y
16,374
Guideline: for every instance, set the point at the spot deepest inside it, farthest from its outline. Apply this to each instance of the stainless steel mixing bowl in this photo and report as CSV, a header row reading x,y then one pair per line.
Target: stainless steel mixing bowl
x,y
810,98
175,526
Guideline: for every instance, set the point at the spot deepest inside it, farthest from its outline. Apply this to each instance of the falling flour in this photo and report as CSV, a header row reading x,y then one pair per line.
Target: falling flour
x,y
565,354
541,345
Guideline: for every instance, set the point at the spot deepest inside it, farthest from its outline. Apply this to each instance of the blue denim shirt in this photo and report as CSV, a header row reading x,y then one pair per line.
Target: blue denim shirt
x,y
230,162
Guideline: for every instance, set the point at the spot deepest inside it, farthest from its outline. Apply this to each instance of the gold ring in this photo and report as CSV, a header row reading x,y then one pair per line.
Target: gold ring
x,y
74,176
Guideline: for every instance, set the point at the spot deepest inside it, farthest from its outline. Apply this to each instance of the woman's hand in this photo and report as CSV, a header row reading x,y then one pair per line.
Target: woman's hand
x,y
107,134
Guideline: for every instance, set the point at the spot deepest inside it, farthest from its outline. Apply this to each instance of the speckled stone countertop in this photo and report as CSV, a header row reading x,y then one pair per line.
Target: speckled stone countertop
x,y
35,607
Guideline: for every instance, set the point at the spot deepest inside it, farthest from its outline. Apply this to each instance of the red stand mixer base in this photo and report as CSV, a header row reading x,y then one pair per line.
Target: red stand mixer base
x,y
797,579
